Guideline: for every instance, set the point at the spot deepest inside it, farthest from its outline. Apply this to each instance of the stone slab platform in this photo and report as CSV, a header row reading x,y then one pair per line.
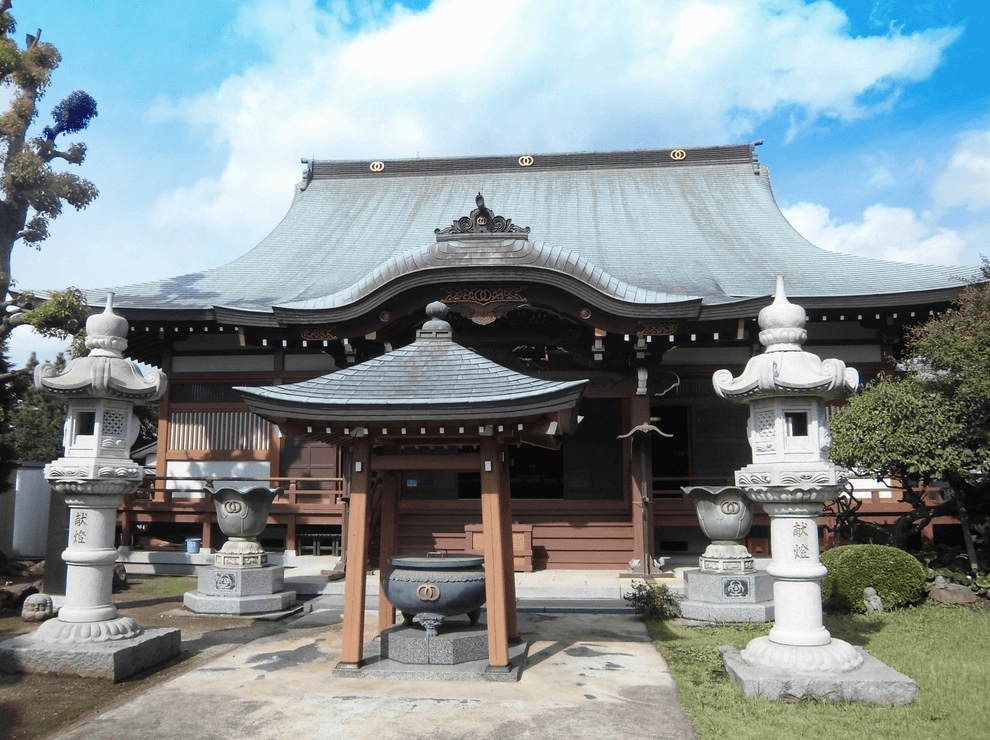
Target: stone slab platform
x,y
873,682
704,611
374,666
202,603
113,660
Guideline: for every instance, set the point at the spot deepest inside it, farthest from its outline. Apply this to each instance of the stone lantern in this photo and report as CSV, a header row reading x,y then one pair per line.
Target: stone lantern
x,y
100,391
786,389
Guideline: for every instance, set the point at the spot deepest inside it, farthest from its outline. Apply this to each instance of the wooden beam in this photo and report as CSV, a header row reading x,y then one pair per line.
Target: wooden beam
x,y
468,462
352,650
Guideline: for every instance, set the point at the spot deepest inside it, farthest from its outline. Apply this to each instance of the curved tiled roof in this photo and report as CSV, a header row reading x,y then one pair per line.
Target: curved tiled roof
x,y
432,378
626,229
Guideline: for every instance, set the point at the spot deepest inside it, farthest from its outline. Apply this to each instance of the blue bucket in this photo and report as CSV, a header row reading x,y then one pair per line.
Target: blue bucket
x,y
192,545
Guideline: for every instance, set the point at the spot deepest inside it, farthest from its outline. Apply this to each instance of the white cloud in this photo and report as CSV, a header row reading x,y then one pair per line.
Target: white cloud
x,y
480,76
966,181
883,233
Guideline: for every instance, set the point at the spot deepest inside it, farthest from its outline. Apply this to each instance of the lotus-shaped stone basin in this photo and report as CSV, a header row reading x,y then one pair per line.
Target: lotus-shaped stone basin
x,y
433,586
724,512
243,512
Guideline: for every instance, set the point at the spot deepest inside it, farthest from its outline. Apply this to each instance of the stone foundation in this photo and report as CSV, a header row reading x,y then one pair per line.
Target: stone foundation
x,y
728,597
113,660
456,644
239,591
873,682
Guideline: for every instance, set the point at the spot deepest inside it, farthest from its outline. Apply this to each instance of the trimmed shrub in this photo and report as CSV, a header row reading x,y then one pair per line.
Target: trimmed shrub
x,y
651,600
897,576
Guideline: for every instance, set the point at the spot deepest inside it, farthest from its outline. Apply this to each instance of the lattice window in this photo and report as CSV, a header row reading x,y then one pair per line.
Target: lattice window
x,y
765,424
114,424
217,430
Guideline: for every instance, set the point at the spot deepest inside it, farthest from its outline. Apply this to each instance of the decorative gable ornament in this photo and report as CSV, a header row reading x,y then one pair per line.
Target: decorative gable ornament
x,y
481,223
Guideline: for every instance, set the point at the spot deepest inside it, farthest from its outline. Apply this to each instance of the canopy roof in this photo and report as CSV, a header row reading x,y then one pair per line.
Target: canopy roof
x,y
433,378
652,233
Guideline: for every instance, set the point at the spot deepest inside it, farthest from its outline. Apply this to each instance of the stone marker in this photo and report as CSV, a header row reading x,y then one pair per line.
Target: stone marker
x,y
89,637
786,389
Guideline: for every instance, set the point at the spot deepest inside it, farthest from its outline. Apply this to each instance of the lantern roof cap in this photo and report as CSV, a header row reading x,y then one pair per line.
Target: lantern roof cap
x,y
103,373
784,369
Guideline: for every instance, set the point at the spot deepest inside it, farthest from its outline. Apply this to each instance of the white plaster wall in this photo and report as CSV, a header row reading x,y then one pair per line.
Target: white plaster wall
x,y
228,472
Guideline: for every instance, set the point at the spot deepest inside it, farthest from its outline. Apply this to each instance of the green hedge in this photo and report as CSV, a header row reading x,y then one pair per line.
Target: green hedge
x,y
897,576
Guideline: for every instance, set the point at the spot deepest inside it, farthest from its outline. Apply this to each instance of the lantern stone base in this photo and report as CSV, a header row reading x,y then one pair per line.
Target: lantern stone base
x,y
456,644
728,597
873,682
239,591
113,660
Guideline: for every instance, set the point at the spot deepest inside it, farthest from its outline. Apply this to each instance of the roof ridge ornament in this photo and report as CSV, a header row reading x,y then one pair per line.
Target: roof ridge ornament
x,y
482,222
436,327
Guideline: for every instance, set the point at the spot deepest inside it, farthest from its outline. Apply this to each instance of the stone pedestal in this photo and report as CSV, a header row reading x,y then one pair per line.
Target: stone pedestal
x,y
873,681
458,643
114,660
223,590
728,597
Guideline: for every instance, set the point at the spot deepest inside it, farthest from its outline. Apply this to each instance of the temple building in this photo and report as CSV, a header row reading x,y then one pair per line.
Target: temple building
x,y
640,272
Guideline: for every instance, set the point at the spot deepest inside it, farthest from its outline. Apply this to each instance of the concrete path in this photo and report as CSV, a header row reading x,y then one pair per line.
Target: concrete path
x,y
587,676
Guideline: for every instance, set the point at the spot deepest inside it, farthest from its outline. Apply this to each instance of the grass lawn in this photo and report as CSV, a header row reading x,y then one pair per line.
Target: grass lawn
x,y
946,649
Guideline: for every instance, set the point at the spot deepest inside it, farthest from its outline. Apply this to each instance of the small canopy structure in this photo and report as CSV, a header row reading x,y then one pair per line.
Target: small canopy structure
x,y
433,393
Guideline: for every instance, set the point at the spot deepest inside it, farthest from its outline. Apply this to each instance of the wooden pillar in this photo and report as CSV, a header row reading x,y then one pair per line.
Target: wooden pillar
x,y
357,555
126,528
505,504
207,533
345,473
389,542
494,524
290,535
640,469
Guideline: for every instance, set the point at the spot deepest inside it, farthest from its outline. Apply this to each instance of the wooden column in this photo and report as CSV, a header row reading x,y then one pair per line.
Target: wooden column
x,y
126,526
494,526
640,467
389,542
207,534
290,535
357,555
505,505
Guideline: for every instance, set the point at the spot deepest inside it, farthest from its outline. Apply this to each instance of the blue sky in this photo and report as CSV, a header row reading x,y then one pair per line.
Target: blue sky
x,y
875,115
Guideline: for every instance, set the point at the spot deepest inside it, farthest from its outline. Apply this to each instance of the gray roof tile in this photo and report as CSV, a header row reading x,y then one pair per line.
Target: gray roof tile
x,y
634,226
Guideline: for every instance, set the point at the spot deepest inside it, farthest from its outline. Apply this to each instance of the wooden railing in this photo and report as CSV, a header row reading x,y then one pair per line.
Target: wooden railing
x,y
308,492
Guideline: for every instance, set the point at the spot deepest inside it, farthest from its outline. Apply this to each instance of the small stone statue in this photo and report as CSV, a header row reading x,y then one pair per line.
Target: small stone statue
x,y
874,604
37,608
950,593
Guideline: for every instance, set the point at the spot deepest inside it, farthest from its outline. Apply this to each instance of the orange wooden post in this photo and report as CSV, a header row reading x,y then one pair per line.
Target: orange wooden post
x,y
505,506
389,542
357,555
493,526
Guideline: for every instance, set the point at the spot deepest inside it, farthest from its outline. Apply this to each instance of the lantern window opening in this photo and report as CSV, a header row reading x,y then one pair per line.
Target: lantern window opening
x,y
796,424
